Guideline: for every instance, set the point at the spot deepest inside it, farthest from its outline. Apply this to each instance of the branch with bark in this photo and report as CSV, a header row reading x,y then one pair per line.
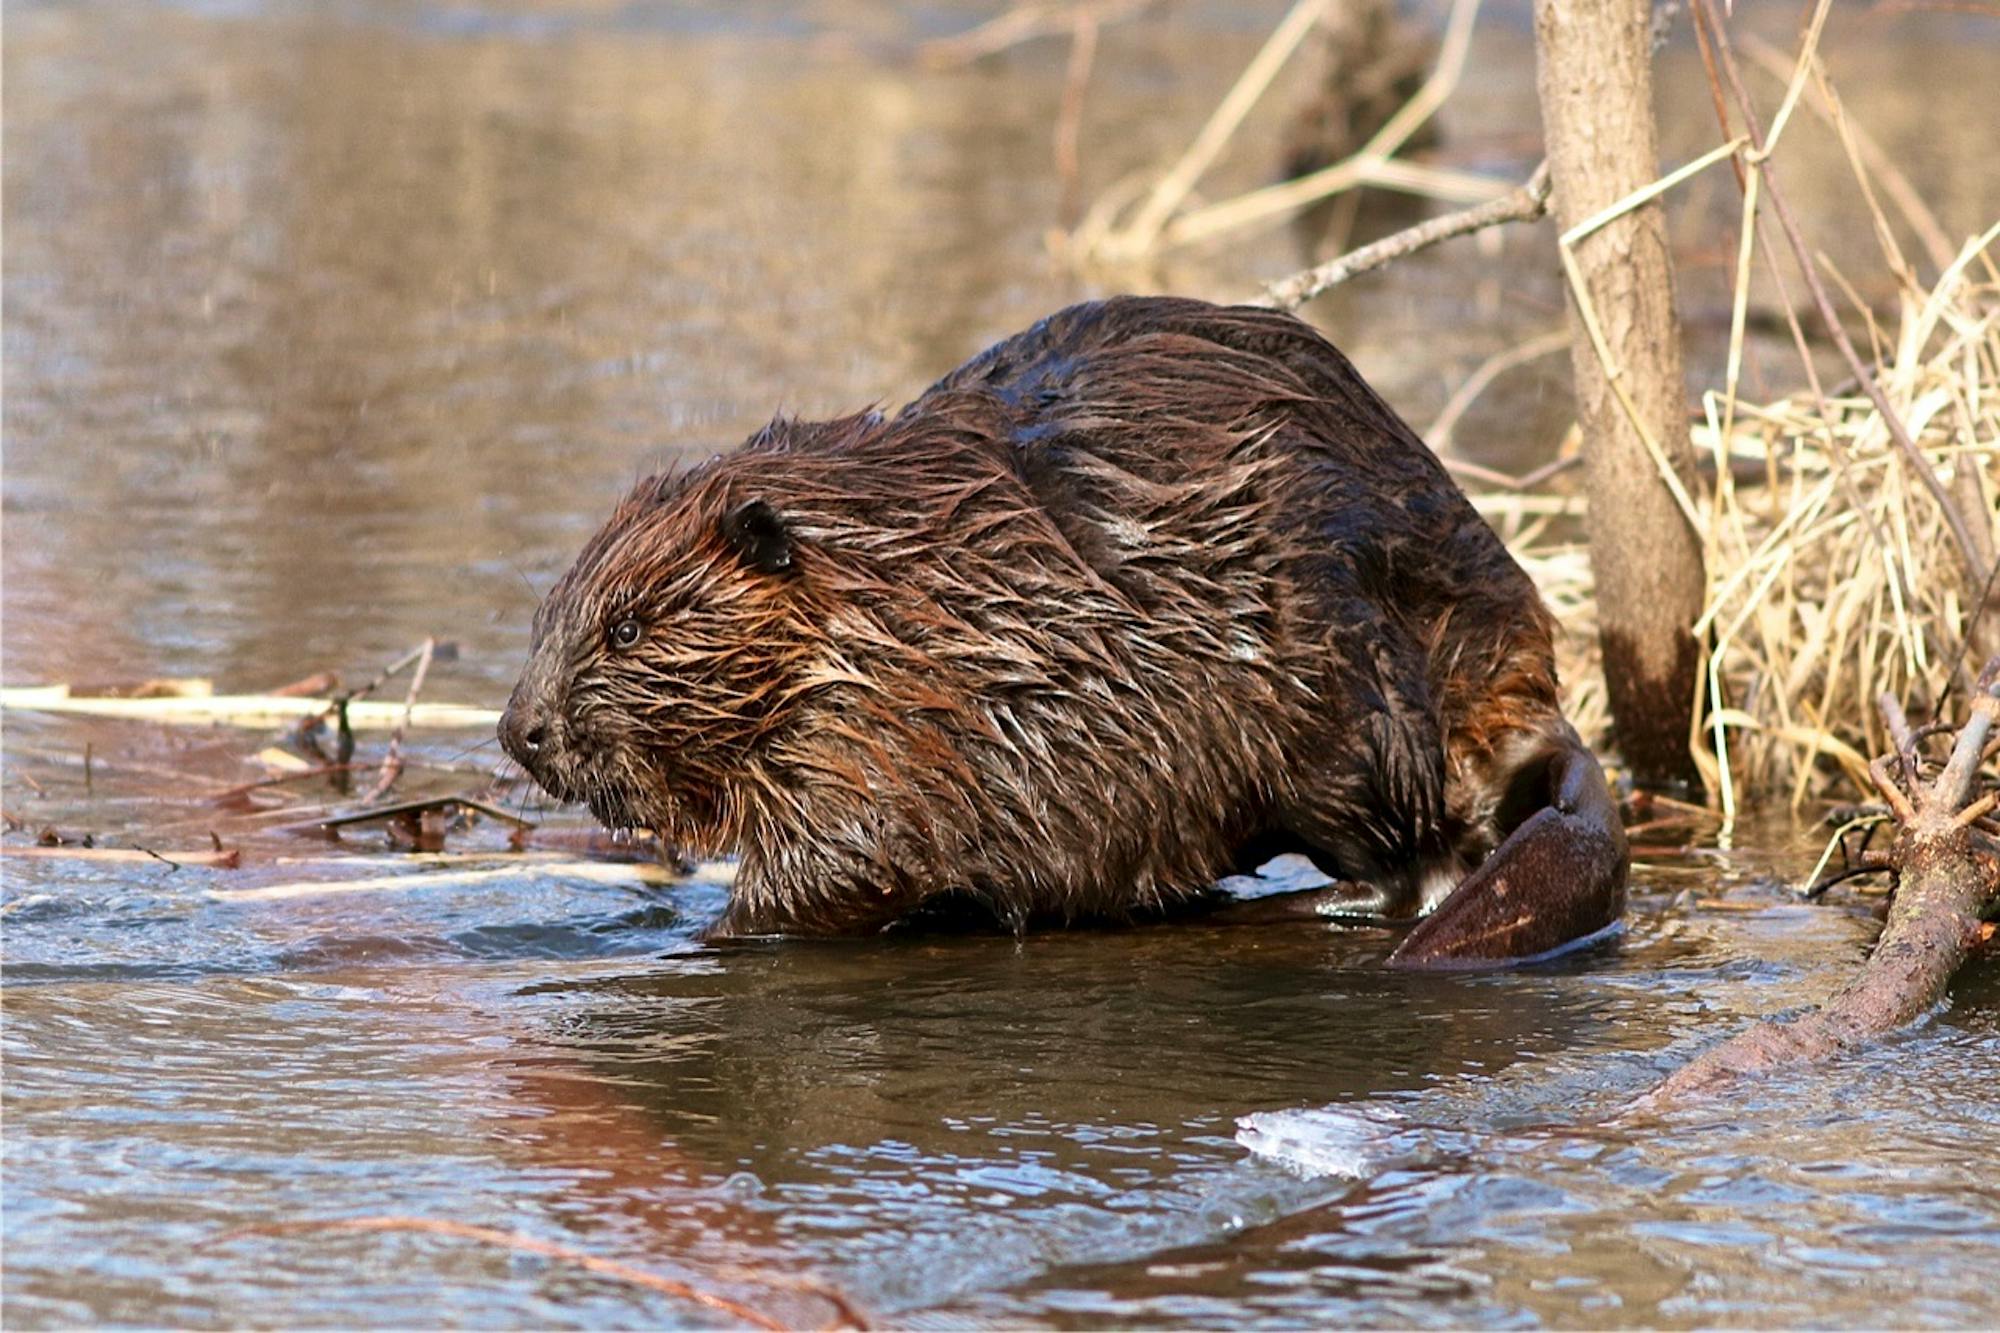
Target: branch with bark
x,y
1946,860
1525,204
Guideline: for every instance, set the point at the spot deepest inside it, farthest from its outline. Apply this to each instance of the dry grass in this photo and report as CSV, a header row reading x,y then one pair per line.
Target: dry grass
x,y
1840,581
1833,577
1848,531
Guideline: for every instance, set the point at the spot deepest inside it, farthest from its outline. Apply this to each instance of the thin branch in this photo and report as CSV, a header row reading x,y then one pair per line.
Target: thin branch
x,y
1069,123
1021,24
1527,483
1954,786
1901,739
1818,887
1899,805
422,650
242,789
1916,213
1977,811
1214,136
392,765
1439,432
1972,619
1525,204
1374,163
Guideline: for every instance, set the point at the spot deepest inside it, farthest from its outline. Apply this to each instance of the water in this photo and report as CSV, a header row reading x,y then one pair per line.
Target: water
x,y
332,327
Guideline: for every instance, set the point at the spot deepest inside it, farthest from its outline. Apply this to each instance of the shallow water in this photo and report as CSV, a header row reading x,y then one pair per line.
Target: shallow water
x,y
330,327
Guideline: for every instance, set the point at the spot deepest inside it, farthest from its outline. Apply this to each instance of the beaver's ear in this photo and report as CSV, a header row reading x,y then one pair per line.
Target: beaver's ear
x,y
758,533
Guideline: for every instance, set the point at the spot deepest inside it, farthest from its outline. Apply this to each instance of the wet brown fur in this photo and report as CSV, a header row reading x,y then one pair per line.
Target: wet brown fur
x,y
1151,588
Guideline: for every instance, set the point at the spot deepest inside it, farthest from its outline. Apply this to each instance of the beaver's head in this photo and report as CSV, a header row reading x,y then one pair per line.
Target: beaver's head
x,y
661,660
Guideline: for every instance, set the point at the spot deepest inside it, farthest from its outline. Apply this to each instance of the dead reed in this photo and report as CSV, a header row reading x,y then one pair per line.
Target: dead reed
x,y
1834,575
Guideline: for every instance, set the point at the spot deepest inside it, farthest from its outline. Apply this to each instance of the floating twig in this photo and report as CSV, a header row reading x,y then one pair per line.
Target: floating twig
x,y
423,806
219,859
596,872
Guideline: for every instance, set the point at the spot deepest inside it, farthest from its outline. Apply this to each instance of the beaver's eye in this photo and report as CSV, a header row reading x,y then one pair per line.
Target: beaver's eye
x,y
626,633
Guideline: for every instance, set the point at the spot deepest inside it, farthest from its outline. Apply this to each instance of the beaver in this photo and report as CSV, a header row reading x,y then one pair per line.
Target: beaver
x,y
1128,602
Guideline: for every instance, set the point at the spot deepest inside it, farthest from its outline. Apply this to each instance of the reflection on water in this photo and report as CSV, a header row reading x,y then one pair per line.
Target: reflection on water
x,y
959,1127
332,327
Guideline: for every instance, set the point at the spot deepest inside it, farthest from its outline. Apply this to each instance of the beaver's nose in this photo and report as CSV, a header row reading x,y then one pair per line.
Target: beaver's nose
x,y
524,732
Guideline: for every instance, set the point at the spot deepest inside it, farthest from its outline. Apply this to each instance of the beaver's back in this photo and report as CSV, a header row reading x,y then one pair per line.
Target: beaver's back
x,y
1250,412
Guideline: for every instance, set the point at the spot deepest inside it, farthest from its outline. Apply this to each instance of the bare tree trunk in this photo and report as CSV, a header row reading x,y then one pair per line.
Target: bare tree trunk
x,y
1594,73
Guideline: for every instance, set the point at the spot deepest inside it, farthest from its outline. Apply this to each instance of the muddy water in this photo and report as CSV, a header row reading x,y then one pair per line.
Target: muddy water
x,y
330,327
